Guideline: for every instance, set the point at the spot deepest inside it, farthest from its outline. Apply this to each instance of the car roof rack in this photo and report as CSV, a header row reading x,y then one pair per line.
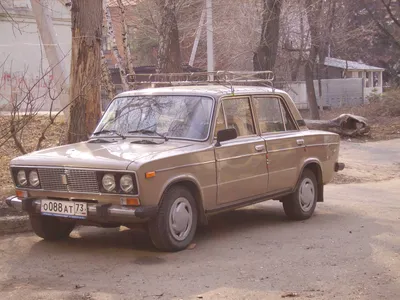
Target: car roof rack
x,y
226,78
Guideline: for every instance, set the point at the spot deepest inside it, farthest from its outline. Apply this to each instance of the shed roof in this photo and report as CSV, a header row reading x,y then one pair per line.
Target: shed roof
x,y
349,65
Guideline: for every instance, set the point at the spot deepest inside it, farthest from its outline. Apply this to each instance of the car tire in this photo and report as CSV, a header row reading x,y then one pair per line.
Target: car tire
x,y
300,205
175,225
50,228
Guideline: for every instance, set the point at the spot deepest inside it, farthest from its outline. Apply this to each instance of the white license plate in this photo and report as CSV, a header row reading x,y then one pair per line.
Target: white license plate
x,y
67,209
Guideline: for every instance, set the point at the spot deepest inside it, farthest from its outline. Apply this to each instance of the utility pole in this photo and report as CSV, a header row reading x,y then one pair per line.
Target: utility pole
x,y
210,39
54,55
197,39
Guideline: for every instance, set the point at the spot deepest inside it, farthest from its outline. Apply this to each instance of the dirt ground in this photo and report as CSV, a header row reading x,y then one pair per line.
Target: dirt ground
x,y
350,249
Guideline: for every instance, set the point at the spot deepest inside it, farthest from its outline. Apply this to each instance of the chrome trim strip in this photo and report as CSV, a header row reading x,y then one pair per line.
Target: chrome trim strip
x,y
326,144
209,186
72,168
288,169
242,156
285,149
184,166
305,145
246,178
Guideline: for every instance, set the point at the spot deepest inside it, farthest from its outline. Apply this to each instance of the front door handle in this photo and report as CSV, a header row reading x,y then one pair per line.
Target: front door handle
x,y
300,142
259,148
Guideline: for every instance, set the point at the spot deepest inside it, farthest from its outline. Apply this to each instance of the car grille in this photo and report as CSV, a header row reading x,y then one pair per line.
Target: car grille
x,y
80,181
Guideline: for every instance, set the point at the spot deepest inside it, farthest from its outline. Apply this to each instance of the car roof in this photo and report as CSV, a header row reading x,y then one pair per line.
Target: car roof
x,y
214,90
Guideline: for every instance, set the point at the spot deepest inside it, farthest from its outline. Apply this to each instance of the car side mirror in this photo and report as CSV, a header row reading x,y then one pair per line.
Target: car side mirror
x,y
226,135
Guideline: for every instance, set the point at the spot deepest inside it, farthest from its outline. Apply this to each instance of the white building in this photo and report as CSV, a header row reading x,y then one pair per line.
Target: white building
x,y
23,62
372,76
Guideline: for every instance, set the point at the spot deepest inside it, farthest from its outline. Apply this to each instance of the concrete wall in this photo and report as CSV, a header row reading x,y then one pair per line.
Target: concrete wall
x,y
335,92
23,60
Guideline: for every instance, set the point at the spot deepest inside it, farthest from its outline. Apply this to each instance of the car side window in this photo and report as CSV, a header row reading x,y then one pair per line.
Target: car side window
x,y
238,115
273,115
269,114
287,118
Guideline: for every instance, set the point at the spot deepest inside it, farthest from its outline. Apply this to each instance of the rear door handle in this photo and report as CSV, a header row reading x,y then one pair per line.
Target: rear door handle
x,y
300,142
259,148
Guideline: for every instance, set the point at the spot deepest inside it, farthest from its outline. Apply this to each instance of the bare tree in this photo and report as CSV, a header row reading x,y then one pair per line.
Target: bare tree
x,y
314,16
265,56
111,35
25,96
127,50
386,15
85,66
169,50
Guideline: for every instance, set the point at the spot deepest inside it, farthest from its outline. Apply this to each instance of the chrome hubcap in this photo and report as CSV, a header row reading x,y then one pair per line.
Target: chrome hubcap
x,y
306,194
180,219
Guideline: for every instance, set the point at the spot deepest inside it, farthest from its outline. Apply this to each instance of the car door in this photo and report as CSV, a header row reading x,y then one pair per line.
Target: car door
x,y
285,143
241,163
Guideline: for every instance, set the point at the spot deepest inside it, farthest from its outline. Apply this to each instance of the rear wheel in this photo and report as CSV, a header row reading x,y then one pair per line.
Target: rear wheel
x,y
175,225
301,204
50,228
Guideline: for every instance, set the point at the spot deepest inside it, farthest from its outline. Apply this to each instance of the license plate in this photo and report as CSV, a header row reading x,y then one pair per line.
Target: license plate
x,y
66,209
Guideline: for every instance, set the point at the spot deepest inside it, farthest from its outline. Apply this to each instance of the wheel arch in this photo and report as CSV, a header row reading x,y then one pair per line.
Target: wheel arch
x,y
193,186
315,166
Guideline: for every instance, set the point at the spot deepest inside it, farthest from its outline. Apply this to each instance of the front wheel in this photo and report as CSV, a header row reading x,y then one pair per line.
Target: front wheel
x,y
175,225
50,228
300,205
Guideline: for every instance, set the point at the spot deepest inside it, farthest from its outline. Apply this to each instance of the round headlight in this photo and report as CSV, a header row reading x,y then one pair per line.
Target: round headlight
x,y
126,183
108,182
34,179
21,178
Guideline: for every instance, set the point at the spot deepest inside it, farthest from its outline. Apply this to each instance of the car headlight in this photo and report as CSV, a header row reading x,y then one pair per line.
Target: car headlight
x,y
21,178
108,182
34,179
126,183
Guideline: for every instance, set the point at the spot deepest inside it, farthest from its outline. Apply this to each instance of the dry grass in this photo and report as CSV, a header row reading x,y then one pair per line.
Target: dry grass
x,y
383,115
30,136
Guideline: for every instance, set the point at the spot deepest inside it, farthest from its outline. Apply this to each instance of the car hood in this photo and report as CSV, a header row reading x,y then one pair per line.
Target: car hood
x,y
117,155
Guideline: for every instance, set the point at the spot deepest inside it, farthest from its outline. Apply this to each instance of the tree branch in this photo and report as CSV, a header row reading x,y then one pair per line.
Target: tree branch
x,y
390,12
380,26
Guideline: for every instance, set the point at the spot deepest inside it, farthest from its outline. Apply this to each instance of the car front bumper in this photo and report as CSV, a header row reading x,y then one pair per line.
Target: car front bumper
x,y
103,213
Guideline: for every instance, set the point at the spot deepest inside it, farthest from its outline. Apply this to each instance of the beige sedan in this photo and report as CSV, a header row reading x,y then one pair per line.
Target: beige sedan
x,y
170,157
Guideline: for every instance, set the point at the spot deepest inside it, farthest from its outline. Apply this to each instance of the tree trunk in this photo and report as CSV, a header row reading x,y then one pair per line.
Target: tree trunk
x,y
53,51
106,79
128,56
86,19
117,55
300,59
265,57
169,51
344,125
314,10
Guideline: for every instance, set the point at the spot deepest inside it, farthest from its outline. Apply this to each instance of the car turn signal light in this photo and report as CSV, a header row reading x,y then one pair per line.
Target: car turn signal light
x,y
21,194
130,201
150,174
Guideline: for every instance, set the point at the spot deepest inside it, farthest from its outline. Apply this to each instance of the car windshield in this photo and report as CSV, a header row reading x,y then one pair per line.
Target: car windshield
x,y
182,117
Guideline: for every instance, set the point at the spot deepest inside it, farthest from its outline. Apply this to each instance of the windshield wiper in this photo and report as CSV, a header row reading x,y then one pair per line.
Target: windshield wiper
x,y
148,131
110,131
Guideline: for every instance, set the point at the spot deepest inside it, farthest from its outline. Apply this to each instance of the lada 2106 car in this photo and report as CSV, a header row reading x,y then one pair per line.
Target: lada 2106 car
x,y
172,156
